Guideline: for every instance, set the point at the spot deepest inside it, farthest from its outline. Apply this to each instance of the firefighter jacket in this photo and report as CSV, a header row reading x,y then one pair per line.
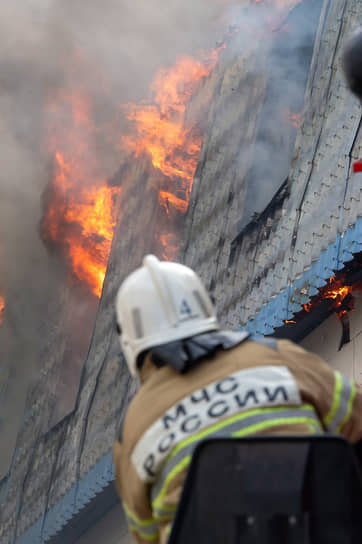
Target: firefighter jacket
x,y
255,388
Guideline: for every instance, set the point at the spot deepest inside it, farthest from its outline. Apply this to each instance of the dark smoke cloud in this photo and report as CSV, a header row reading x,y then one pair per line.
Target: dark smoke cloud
x,y
122,43
288,37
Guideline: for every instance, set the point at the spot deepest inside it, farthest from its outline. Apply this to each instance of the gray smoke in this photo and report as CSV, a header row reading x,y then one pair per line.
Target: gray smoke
x,y
287,42
122,43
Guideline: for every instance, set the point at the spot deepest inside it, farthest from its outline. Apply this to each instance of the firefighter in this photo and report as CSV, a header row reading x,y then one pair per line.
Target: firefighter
x,y
198,381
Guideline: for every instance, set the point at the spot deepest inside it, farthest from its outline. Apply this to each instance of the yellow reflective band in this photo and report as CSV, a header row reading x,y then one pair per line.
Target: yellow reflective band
x,y
157,503
229,421
154,536
274,423
147,536
350,405
336,398
314,429
135,519
164,517
178,468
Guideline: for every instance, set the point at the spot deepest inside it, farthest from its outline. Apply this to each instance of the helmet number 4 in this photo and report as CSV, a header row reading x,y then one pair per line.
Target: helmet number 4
x,y
185,308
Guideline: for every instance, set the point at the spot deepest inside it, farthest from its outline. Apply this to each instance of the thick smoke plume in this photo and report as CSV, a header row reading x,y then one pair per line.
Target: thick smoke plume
x,y
111,49
122,43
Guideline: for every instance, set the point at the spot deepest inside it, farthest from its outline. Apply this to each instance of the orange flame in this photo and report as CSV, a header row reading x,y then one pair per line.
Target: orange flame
x,y
160,128
162,131
169,200
2,308
80,217
335,290
170,244
295,119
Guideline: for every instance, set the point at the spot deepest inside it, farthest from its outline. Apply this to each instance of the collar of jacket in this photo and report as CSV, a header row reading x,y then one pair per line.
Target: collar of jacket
x,y
183,355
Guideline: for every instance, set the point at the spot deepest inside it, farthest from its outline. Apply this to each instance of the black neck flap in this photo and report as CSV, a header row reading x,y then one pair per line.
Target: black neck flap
x,y
183,355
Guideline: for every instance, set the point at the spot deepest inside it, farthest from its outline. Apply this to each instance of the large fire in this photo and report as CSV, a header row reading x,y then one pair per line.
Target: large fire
x,y
293,118
161,131
80,211
80,214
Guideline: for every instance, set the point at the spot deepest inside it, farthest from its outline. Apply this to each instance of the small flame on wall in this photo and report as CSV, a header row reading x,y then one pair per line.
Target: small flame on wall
x,y
335,290
80,217
2,308
338,292
293,118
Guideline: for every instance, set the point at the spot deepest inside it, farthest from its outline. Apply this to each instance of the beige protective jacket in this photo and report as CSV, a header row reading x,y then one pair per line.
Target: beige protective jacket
x,y
250,389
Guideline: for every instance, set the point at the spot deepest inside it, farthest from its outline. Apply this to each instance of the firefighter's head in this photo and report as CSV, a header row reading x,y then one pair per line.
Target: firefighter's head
x,y
352,62
158,303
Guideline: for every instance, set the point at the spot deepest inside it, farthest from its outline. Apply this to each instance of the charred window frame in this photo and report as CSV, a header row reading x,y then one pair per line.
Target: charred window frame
x,y
290,63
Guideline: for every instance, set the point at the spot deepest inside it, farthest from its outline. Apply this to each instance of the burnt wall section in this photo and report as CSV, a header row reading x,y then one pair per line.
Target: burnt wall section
x,y
246,272
219,188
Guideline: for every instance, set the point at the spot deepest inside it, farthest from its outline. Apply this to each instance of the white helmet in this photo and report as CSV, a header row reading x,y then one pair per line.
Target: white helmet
x,y
159,303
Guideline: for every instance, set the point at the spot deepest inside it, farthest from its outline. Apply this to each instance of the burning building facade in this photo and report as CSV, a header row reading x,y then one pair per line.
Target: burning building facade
x,y
267,210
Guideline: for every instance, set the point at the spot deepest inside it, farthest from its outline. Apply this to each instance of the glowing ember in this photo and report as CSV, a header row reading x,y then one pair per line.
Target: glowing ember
x,y
80,215
295,119
335,290
2,308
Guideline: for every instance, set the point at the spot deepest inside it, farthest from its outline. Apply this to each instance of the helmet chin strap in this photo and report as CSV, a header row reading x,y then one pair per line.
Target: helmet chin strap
x,y
163,290
183,355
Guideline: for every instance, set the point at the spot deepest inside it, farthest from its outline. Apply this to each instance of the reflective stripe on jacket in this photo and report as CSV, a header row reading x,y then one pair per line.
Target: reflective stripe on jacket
x,y
251,389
